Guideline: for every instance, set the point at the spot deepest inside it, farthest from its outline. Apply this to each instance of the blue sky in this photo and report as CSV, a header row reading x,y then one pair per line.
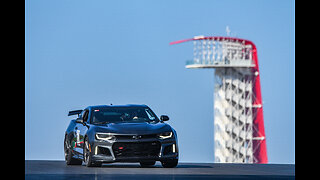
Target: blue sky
x,y
80,53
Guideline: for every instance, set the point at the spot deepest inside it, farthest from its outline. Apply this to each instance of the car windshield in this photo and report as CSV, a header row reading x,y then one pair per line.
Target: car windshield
x,y
123,114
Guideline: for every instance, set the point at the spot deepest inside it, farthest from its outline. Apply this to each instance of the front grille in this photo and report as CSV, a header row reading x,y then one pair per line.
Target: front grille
x,y
131,137
136,149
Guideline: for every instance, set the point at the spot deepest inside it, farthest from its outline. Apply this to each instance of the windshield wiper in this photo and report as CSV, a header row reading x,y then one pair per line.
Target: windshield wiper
x,y
149,120
104,122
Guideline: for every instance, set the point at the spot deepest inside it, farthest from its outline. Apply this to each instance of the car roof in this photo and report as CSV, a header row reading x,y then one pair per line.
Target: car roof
x,y
116,106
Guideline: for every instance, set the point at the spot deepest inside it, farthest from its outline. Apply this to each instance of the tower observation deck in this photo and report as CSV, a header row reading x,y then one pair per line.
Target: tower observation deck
x,y
239,135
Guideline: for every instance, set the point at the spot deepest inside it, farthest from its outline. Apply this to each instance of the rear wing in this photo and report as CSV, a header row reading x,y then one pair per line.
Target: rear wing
x,y
74,112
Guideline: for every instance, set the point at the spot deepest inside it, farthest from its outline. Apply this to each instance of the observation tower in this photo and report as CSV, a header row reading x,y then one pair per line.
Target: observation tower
x,y
239,135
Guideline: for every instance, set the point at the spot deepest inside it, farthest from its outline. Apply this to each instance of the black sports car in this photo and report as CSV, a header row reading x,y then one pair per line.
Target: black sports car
x,y
121,133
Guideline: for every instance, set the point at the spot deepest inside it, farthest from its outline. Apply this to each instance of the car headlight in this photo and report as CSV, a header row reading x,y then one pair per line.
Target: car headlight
x,y
166,135
105,136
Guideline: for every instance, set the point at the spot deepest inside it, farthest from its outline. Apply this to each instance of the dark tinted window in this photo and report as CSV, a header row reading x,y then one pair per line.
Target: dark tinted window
x,y
123,114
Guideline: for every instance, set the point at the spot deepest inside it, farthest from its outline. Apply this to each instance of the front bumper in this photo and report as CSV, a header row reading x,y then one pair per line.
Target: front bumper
x,y
134,150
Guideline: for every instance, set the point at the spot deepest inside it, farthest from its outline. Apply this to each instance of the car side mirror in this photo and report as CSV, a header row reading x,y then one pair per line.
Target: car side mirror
x,y
164,118
79,120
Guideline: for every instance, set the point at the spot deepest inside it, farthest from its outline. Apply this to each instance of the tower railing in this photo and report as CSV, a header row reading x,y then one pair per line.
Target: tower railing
x,y
213,52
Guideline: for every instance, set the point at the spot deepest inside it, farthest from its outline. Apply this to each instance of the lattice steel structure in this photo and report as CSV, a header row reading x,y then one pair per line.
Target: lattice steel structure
x,y
239,134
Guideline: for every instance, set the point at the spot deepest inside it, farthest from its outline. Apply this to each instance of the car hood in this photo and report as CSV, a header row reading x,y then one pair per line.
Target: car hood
x,y
134,128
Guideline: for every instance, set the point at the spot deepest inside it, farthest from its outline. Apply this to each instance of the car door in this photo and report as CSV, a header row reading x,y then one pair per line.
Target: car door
x,y
80,130
83,128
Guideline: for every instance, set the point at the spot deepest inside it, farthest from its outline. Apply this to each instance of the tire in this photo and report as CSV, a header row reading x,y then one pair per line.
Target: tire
x,y
169,163
68,154
147,163
87,155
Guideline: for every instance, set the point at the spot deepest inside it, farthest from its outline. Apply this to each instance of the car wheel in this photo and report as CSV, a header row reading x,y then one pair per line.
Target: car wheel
x,y
68,154
87,155
169,163
147,163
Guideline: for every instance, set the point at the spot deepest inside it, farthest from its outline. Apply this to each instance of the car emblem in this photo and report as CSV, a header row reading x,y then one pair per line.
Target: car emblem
x,y
136,137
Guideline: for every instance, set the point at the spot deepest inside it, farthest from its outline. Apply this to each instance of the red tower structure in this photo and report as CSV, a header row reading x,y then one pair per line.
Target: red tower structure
x,y
239,125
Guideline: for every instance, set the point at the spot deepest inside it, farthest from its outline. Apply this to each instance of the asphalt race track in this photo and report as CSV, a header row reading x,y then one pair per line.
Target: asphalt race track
x,y
58,170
